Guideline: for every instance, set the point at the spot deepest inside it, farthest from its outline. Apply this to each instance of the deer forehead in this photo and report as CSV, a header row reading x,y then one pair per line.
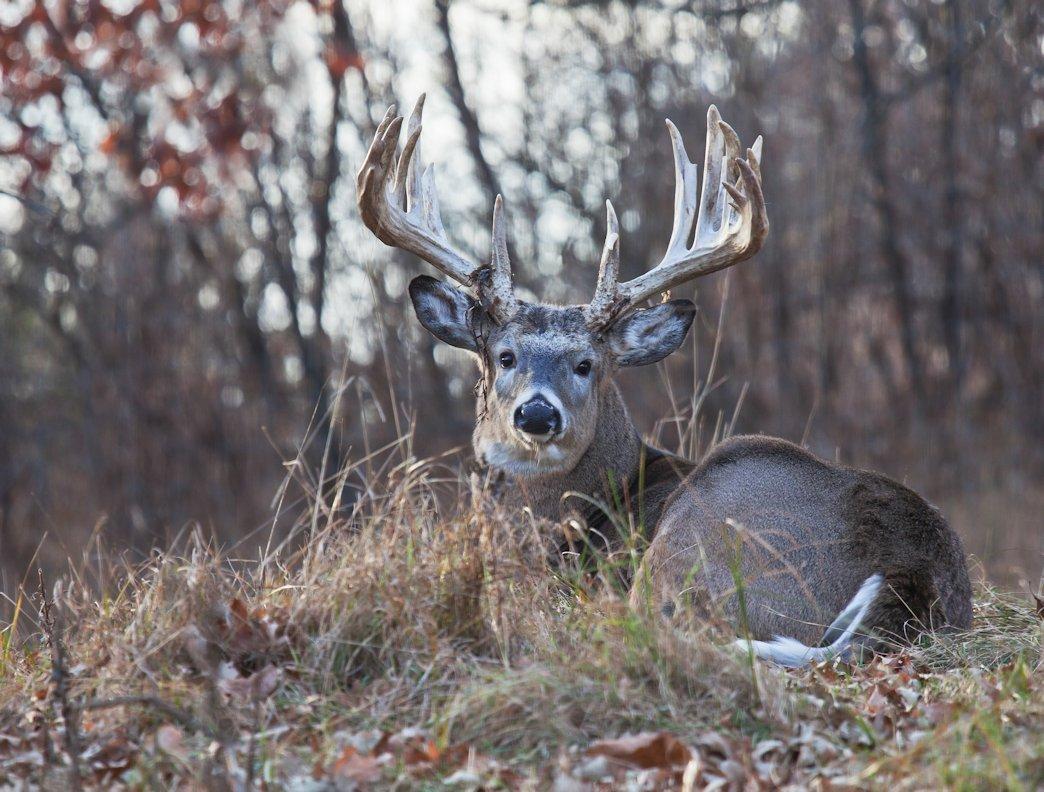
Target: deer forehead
x,y
549,329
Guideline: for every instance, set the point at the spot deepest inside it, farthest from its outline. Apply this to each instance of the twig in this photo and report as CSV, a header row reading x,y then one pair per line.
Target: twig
x,y
251,756
27,202
183,718
60,684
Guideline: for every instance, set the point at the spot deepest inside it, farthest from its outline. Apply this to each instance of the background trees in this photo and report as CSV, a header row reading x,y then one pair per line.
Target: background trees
x,y
183,278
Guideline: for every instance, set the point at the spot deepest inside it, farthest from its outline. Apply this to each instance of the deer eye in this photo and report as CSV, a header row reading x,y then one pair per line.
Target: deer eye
x,y
507,360
583,368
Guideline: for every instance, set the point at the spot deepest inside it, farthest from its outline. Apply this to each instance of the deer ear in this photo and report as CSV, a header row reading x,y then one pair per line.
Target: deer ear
x,y
651,334
446,312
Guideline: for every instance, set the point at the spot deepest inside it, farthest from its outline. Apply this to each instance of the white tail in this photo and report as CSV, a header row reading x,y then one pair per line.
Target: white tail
x,y
794,654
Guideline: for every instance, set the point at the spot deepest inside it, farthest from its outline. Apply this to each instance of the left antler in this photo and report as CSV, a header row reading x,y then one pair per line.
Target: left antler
x,y
400,206
726,233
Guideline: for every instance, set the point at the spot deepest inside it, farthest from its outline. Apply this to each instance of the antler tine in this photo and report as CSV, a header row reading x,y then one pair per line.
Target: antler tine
x,y
415,163
401,208
685,195
497,292
754,156
713,171
608,268
726,232
729,179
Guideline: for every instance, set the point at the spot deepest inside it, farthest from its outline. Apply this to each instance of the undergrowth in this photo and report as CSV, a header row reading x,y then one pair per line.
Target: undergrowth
x,y
392,642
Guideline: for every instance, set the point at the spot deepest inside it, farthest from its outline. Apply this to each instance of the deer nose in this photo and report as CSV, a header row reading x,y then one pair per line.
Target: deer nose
x,y
538,417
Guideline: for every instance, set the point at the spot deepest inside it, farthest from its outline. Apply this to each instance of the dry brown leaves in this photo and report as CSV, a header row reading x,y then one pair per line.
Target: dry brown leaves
x,y
885,705
713,760
106,755
247,638
245,652
372,757
657,749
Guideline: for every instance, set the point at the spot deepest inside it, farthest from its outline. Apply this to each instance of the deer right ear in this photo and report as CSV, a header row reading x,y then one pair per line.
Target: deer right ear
x,y
651,334
446,312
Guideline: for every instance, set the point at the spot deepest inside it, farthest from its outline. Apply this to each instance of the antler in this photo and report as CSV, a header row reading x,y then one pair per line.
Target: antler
x,y
401,208
726,233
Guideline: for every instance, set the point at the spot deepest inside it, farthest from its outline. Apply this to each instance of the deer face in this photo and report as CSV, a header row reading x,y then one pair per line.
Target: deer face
x,y
543,371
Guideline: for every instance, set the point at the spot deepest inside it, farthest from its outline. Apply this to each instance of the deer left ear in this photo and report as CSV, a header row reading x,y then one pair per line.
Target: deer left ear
x,y
650,335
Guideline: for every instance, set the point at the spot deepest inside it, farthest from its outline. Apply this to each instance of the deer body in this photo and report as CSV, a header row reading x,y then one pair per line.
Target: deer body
x,y
803,535
758,522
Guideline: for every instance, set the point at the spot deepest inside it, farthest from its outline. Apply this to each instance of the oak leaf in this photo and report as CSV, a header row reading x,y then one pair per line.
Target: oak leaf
x,y
354,766
171,740
645,750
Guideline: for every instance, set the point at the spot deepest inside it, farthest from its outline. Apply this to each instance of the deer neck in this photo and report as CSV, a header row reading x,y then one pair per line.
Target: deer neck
x,y
614,454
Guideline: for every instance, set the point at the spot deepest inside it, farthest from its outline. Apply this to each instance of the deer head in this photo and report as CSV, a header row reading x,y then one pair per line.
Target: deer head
x,y
546,370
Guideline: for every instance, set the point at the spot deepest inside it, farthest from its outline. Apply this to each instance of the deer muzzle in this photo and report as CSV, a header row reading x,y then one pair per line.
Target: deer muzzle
x,y
538,417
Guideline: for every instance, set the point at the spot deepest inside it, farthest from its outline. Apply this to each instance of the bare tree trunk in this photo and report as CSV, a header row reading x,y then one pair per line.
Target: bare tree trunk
x,y
261,368
323,189
950,308
875,154
488,179
344,38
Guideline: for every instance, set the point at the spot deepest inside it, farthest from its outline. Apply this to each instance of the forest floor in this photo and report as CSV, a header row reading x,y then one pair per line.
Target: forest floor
x,y
395,648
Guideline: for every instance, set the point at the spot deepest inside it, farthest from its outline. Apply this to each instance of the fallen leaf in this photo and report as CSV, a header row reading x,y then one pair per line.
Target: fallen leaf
x,y
413,745
876,702
111,758
734,772
646,750
256,687
30,758
714,745
423,751
939,712
197,648
239,610
767,747
566,783
855,734
467,778
353,766
594,768
909,695
171,740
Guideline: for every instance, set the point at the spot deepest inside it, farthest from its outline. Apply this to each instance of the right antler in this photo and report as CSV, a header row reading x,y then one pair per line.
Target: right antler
x,y
402,210
725,234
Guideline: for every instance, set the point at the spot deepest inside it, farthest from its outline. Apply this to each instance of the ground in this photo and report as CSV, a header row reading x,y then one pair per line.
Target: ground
x,y
389,646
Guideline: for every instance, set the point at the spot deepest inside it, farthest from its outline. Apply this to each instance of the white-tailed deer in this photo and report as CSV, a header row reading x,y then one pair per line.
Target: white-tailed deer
x,y
810,539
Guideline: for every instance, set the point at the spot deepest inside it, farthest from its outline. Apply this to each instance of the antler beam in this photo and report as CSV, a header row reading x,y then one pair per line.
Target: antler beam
x,y
725,232
399,204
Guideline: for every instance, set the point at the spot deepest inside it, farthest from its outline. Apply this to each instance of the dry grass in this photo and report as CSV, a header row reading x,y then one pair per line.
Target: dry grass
x,y
280,671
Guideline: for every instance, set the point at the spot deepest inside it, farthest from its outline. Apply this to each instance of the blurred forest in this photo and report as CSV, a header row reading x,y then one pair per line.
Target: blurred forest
x,y
186,290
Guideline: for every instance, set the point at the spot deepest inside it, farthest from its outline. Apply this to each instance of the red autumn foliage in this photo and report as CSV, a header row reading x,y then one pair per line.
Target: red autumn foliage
x,y
159,64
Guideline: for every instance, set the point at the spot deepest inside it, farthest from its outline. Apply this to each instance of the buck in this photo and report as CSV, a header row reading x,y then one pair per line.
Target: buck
x,y
809,539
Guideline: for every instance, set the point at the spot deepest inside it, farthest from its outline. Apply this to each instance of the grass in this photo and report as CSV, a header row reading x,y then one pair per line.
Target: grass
x,y
394,642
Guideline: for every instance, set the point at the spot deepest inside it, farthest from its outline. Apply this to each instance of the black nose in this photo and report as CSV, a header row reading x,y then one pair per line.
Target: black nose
x,y
538,417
